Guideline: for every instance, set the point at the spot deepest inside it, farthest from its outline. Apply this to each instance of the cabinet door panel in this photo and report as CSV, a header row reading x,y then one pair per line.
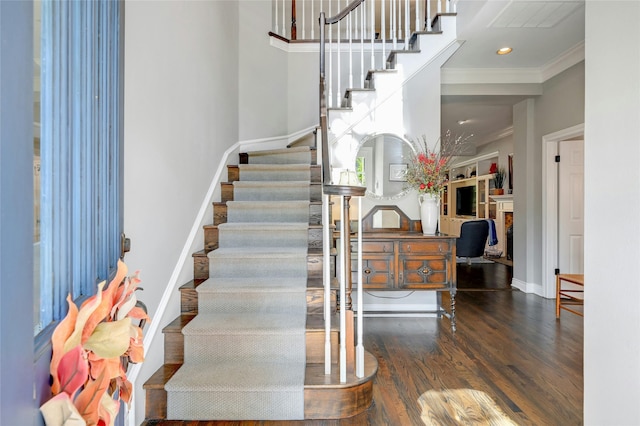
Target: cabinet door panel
x,y
377,272
424,272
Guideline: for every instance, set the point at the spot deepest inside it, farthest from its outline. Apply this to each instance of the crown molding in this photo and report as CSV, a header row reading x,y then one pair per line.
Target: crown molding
x,y
563,62
568,59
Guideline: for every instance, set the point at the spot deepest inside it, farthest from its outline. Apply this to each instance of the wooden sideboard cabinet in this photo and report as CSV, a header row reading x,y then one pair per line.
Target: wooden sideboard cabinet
x,y
402,258
406,261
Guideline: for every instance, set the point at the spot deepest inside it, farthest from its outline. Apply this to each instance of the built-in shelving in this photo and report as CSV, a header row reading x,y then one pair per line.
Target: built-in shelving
x,y
473,172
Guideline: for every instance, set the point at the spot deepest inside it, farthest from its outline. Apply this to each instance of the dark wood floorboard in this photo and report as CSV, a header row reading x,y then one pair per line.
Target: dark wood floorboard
x,y
508,344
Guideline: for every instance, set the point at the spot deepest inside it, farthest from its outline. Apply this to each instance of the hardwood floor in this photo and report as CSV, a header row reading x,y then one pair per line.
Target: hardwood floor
x,y
508,344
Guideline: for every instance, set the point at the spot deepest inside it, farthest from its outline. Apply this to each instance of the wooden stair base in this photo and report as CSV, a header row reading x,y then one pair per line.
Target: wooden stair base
x,y
324,396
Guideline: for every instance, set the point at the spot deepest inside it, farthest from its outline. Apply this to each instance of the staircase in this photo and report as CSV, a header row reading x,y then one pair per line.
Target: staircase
x,y
249,343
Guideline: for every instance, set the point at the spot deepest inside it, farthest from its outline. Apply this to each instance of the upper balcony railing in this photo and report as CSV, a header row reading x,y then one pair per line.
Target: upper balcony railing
x,y
391,20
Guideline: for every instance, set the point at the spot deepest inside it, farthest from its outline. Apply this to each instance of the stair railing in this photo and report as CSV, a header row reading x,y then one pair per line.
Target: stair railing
x,y
345,190
375,27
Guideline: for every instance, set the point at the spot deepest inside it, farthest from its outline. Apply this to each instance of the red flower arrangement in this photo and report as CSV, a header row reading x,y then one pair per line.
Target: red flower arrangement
x,y
427,170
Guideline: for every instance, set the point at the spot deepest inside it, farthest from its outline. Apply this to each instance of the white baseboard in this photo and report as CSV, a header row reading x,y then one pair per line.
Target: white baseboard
x,y
526,287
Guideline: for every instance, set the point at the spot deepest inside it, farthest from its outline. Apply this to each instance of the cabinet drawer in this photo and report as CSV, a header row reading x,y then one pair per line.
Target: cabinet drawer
x,y
373,246
415,247
377,272
425,272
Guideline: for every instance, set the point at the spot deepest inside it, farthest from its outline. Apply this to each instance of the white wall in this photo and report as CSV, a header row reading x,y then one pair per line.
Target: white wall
x,y
612,206
181,114
303,90
560,106
262,72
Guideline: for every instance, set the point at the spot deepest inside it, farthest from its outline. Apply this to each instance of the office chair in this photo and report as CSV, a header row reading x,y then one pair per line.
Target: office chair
x,y
472,240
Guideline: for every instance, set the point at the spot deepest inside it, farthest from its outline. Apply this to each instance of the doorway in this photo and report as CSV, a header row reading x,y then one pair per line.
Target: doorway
x,y
561,246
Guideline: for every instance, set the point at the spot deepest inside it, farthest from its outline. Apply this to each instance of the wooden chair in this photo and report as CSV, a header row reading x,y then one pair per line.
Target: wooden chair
x,y
566,297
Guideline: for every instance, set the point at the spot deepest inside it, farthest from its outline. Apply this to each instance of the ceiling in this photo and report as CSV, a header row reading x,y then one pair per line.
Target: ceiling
x,y
481,87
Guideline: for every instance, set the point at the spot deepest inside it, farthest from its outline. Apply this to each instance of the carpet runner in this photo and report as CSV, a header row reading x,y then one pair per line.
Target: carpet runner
x,y
244,353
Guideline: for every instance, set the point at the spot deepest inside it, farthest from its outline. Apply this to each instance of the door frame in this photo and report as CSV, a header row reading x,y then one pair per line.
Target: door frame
x,y
550,205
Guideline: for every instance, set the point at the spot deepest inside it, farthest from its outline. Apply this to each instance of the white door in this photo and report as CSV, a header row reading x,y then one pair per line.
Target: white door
x,y
571,207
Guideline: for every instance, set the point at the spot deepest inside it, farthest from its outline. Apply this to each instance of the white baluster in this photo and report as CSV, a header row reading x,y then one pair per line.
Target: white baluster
x,y
338,68
418,26
330,92
284,22
373,36
359,326
362,28
312,16
398,20
343,294
326,275
277,29
304,19
394,26
428,15
350,24
439,6
383,32
407,24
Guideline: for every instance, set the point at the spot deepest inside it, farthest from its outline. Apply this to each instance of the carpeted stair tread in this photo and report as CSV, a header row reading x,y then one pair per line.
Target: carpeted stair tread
x,y
271,183
271,190
268,211
281,156
232,391
257,252
275,172
229,376
263,234
258,324
241,285
257,226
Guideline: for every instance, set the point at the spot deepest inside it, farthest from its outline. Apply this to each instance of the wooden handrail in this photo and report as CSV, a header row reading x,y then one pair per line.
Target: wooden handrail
x,y
342,14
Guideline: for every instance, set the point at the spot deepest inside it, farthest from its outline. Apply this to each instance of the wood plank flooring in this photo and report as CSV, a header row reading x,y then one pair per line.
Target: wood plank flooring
x,y
508,344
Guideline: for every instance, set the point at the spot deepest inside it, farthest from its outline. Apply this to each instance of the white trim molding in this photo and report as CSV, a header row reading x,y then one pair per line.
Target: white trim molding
x,y
526,287
550,205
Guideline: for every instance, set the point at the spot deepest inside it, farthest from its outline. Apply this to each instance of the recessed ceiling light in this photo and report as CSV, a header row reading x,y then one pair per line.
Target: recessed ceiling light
x,y
461,122
504,51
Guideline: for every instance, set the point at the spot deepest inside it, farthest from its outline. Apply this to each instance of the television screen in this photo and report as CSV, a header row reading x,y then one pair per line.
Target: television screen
x,y
466,201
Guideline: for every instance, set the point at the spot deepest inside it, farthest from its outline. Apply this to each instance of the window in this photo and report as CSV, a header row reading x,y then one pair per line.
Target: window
x,y
80,150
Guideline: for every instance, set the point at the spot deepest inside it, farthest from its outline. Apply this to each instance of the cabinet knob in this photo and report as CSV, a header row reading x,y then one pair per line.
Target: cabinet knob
x,y
425,271
409,247
367,271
